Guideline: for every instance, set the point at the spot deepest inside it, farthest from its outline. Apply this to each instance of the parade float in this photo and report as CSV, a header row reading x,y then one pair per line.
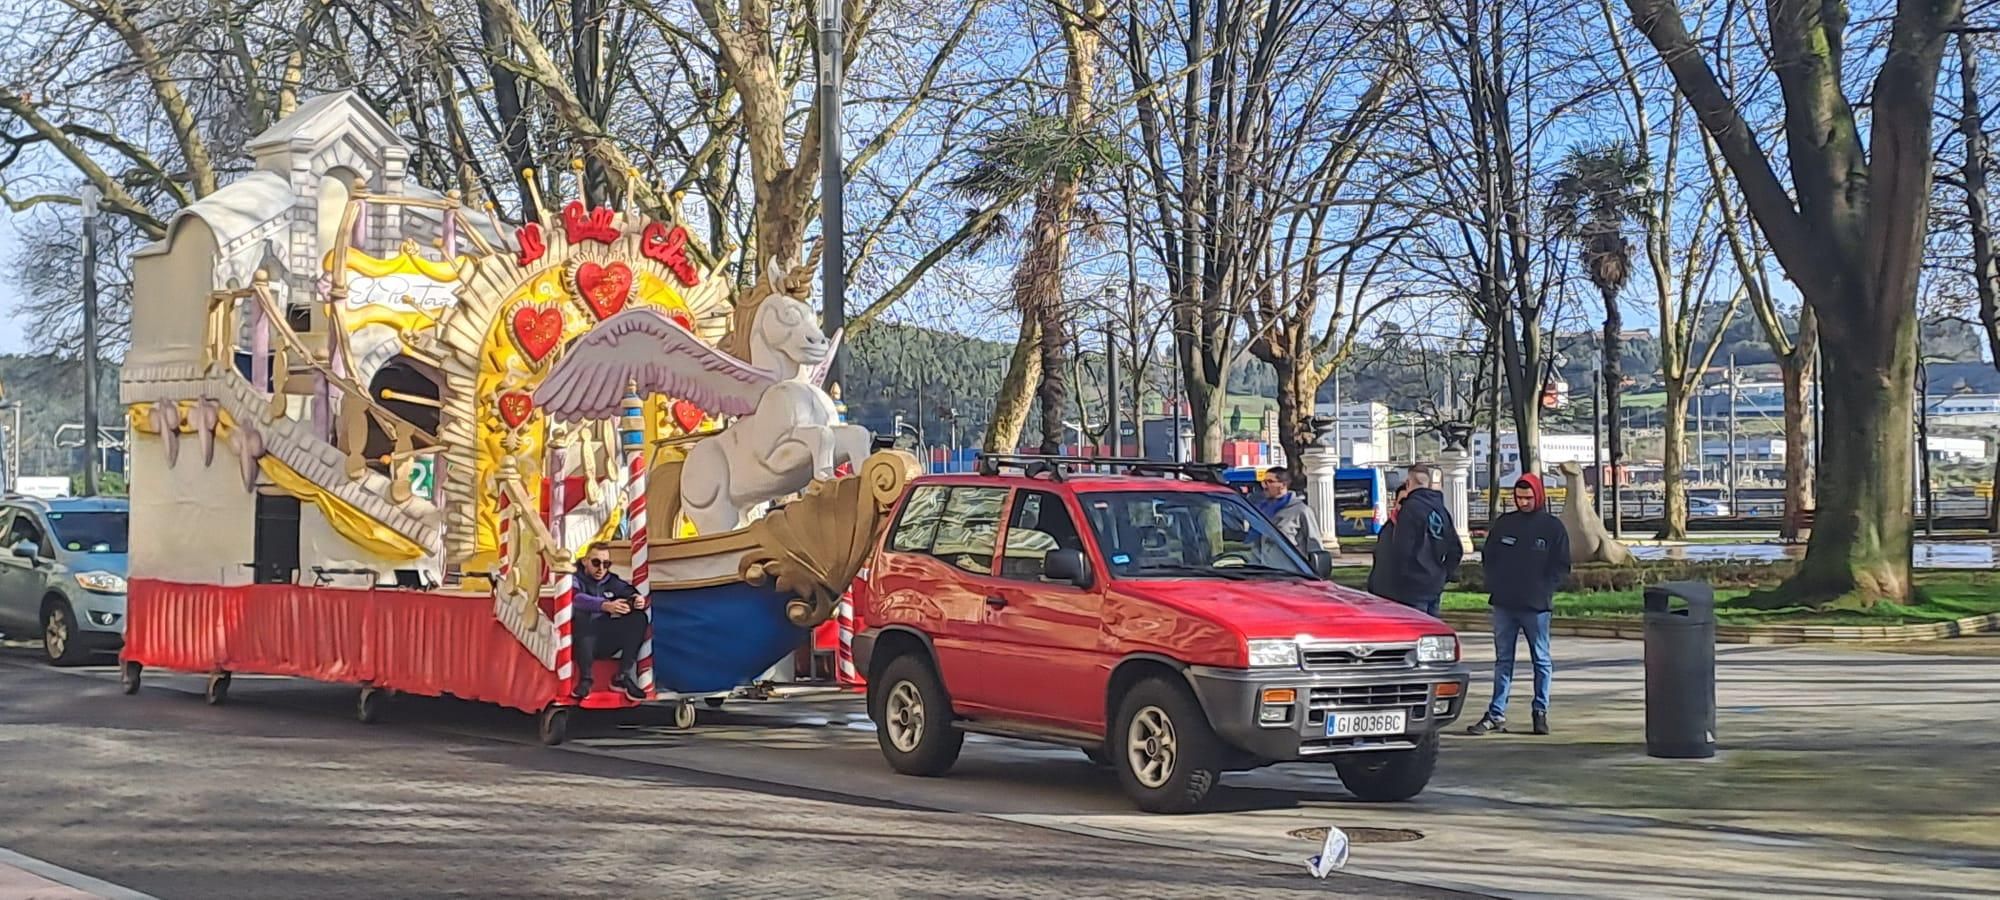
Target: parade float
x,y
373,427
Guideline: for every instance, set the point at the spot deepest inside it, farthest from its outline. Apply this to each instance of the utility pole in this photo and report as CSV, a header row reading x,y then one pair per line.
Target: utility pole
x,y
833,210
1174,397
1924,440
1111,417
1597,424
1731,486
1700,434
1337,418
89,198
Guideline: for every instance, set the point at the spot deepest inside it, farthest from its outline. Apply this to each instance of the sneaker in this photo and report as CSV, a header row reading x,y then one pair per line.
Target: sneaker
x,y
1541,722
630,685
1488,723
582,690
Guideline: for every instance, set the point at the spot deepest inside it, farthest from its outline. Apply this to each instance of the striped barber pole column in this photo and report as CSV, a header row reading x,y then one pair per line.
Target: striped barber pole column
x,y
844,671
502,510
632,435
565,611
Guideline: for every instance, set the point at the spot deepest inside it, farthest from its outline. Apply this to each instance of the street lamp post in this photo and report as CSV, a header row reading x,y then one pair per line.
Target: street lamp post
x,y
89,197
833,209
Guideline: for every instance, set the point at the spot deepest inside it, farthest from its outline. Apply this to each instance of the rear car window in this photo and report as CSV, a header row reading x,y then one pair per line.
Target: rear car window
x,y
959,525
89,532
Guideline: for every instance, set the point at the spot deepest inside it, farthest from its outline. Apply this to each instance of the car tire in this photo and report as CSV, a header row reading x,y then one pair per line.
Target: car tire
x,y
1167,756
913,719
62,640
553,726
1388,776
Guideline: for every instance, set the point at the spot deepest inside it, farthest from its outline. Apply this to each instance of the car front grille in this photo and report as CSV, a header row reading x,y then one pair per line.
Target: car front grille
x,y
1369,696
1356,657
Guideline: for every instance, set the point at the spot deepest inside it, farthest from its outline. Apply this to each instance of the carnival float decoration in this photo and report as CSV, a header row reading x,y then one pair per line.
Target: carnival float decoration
x,y
433,414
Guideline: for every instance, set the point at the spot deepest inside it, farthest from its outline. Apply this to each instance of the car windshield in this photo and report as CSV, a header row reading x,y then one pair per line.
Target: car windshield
x,y
89,532
1183,534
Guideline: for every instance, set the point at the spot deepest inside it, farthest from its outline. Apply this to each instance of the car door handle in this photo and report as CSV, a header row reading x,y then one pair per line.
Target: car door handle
x,y
996,601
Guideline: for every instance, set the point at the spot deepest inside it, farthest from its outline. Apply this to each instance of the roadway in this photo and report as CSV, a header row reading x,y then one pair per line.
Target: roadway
x,y
1845,774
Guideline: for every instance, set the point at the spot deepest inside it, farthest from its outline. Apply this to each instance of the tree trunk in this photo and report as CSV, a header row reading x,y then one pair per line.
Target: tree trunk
x,y
1796,369
1205,402
1053,393
1614,378
1010,406
1295,404
1860,546
1673,462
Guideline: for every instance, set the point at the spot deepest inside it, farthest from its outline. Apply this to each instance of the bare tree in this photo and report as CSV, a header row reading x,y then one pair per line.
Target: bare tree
x,y
1852,241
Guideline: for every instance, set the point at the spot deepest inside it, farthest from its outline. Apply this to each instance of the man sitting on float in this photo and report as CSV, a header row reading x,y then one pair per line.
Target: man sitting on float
x,y
611,621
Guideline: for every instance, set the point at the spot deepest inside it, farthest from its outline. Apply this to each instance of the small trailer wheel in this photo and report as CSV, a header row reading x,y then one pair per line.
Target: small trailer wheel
x,y
554,725
684,715
218,689
128,677
368,707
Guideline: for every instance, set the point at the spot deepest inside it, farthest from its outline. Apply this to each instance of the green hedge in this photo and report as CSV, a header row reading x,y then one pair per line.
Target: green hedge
x,y
1596,577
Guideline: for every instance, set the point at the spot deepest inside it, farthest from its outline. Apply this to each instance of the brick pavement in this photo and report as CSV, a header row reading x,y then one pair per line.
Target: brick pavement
x,y
259,800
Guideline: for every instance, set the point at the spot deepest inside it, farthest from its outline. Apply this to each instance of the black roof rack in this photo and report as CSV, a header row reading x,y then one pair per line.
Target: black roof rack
x,y
1058,467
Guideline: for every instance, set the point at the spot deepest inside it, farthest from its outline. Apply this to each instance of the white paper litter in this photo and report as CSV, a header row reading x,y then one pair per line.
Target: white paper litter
x,y
1332,854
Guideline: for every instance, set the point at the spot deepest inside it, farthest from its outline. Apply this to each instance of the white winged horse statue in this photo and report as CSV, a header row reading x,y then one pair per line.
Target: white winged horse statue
x,y
788,432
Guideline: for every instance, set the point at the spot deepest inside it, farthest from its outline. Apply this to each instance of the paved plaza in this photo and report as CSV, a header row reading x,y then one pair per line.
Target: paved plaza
x,y
1845,773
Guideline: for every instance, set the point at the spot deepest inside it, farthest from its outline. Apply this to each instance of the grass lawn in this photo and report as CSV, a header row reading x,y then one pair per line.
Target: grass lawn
x,y
1948,595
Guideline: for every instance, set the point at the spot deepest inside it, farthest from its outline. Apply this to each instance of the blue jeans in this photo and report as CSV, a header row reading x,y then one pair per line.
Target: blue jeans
x,y
1508,625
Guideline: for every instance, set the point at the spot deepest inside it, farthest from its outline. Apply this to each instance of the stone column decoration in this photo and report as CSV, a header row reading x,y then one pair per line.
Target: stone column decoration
x,y
1456,462
1321,463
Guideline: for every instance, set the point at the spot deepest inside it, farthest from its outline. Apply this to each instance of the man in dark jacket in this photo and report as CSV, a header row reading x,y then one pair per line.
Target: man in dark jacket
x,y
610,620
1525,560
1418,555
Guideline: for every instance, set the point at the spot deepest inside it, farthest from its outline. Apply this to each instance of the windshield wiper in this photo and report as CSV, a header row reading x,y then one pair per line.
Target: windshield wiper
x,y
1271,570
1230,574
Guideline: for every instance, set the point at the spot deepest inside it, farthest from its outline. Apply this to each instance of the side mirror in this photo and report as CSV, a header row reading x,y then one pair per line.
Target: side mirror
x,y
1322,563
27,550
1065,566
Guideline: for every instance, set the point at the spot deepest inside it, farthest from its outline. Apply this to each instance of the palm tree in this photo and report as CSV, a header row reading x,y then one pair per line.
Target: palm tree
x,y
1603,191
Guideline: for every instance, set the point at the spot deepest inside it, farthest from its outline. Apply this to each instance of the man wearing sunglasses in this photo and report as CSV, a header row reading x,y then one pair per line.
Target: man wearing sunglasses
x,y
610,622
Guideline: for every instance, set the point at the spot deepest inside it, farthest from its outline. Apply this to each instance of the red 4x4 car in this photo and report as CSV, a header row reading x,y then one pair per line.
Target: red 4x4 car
x,y
1151,617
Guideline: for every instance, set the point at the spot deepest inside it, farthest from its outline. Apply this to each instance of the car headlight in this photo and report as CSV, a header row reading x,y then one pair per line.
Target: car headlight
x,y
101,582
1274,653
1437,648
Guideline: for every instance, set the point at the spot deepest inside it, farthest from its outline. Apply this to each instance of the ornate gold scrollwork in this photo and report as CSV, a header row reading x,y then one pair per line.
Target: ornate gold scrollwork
x,y
813,548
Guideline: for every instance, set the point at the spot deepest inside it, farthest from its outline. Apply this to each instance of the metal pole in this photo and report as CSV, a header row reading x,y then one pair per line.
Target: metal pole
x,y
1174,398
1597,427
89,197
1111,416
833,210
1700,435
1924,443
1731,486
1338,420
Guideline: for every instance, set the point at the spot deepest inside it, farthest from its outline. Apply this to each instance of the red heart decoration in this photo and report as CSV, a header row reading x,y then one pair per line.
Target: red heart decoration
x,y
604,288
516,407
537,330
687,415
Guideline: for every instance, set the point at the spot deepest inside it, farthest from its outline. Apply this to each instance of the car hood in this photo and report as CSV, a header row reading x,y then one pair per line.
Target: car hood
x,y
98,562
1284,608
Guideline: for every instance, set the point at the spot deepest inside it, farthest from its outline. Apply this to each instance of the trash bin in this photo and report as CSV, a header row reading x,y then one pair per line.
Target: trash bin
x,y
1680,670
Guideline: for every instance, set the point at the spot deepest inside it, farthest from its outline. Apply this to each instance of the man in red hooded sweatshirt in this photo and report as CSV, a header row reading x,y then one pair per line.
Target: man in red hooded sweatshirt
x,y
1524,560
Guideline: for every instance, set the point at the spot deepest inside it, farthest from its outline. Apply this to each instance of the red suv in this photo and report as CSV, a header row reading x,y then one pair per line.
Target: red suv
x,y
1149,615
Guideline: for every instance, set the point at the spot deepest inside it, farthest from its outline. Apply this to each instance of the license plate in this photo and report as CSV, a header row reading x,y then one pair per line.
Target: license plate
x,y
1366,724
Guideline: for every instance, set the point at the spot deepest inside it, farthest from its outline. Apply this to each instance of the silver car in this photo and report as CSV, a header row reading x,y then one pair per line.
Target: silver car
x,y
62,574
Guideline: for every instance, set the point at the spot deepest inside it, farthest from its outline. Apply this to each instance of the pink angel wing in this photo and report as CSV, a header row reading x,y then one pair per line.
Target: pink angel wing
x,y
642,345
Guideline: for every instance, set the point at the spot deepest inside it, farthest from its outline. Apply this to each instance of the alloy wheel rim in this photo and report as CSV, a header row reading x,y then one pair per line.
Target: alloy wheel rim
x,y
1150,747
55,637
905,715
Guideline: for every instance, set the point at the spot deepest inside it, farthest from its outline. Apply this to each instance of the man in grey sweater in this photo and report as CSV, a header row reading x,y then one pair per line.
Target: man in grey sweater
x,y
1287,510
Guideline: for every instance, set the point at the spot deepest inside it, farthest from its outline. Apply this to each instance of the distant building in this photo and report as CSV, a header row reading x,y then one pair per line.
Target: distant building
x,y
1359,425
1556,449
